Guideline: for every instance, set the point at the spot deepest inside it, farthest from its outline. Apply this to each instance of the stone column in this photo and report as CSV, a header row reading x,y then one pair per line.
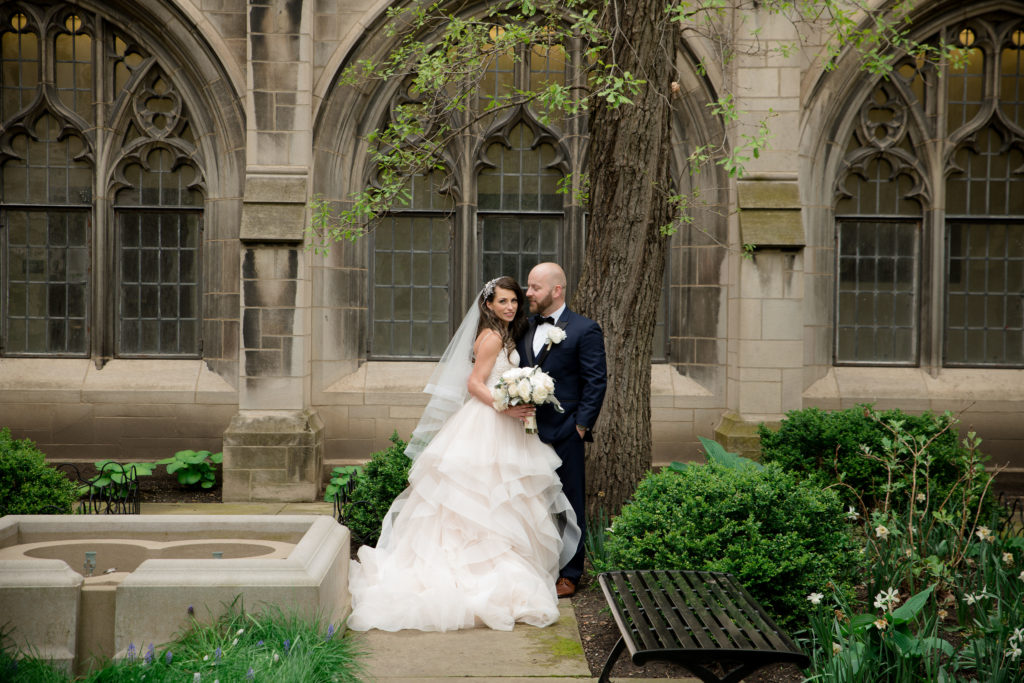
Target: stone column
x,y
766,322
274,446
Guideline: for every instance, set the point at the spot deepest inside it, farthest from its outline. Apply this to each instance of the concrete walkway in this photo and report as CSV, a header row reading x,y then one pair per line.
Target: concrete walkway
x,y
524,655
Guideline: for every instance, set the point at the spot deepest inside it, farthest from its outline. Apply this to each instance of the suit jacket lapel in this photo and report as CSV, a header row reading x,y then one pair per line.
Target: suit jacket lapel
x,y
528,341
546,349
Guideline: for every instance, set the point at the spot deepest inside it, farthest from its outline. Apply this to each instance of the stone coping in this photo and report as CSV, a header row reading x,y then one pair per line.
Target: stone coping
x,y
77,380
995,390
402,382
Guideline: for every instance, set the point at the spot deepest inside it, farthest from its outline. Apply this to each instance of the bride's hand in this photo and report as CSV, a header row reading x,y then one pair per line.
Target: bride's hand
x,y
520,412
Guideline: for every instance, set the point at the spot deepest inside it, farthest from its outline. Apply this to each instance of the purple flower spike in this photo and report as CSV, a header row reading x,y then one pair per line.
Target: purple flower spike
x,y
169,656
250,675
259,643
131,651
287,645
191,611
216,655
330,630
149,654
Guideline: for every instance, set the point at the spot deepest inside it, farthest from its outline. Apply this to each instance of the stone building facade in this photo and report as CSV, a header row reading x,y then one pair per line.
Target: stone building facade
x,y
157,292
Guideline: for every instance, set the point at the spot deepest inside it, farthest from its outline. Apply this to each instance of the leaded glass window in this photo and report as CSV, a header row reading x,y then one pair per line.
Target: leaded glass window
x,y
56,268
411,274
897,234
158,236
46,246
519,208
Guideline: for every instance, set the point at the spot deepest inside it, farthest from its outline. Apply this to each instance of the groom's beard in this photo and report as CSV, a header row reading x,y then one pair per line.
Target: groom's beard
x,y
541,305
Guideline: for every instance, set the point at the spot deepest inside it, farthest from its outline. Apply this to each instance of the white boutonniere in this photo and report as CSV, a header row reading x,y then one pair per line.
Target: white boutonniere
x,y
556,335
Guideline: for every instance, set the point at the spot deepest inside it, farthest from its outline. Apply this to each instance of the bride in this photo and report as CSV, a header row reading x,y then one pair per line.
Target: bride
x,y
479,535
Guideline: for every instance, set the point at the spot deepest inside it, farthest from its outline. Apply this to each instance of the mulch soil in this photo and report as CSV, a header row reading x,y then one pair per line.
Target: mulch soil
x,y
158,487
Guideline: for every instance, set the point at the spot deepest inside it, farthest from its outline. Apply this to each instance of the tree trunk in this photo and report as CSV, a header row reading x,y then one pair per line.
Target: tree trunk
x,y
624,262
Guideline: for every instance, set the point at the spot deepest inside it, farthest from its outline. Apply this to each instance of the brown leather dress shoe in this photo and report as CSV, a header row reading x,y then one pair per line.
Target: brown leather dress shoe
x,y
564,587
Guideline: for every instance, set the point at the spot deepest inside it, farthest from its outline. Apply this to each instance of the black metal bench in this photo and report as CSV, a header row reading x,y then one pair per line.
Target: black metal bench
x,y
696,619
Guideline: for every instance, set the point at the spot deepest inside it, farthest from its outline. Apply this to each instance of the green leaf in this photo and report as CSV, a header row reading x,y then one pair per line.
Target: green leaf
x,y
912,606
715,452
906,644
188,478
217,458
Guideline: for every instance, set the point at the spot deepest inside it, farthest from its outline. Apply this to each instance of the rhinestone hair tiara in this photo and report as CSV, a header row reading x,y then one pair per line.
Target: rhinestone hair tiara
x,y
488,289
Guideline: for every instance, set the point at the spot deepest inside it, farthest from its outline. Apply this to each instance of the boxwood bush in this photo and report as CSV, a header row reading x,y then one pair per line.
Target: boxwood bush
x,y
827,446
28,486
782,538
376,487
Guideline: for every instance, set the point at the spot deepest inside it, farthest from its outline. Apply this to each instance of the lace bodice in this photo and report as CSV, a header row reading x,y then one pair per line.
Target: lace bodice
x,y
505,361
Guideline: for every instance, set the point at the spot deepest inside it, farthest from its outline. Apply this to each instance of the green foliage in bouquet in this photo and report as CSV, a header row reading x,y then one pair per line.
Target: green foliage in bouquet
x,y
194,467
850,446
28,486
782,538
377,486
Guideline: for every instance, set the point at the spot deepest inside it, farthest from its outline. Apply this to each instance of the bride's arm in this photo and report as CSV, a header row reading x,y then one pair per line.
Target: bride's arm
x,y
486,349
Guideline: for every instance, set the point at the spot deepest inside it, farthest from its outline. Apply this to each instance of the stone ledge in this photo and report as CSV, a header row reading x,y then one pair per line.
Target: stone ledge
x,y
998,390
137,381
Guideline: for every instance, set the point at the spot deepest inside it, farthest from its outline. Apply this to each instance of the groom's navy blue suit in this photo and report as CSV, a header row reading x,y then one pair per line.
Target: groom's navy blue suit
x,y
577,365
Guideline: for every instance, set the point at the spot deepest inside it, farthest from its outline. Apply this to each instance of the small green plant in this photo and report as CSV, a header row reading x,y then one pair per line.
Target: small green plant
x,y
382,479
112,472
780,537
194,467
28,486
341,478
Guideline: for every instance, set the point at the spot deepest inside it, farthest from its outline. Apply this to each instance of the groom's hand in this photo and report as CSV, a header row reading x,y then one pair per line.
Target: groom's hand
x,y
521,412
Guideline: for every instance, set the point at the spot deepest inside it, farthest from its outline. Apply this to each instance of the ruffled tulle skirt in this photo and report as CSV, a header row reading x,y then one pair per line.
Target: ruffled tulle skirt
x,y
476,539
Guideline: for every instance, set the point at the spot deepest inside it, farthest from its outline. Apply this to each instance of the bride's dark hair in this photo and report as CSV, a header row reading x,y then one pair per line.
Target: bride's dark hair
x,y
489,321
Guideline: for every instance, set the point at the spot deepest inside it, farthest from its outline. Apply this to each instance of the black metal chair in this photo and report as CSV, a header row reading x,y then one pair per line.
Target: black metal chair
x,y
114,490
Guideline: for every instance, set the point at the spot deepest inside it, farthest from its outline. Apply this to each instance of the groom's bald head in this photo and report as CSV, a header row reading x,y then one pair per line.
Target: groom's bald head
x,y
546,288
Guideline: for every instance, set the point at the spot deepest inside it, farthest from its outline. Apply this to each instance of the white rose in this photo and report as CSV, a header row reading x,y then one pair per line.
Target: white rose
x,y
540,393
548,383
556,335
513,389
524,389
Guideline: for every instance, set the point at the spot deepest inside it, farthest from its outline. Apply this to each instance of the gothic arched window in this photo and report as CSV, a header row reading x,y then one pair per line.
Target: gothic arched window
x,y
930,210
511,217
101,193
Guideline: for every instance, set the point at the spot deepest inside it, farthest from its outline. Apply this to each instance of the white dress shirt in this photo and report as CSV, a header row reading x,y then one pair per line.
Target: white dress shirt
x,y
540,336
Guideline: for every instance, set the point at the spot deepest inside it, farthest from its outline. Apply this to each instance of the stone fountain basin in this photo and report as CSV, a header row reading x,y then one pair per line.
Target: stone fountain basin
x,y
164,565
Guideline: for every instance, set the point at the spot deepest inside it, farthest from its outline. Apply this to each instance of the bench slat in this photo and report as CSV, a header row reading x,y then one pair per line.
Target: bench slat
x,y
766,625
745,633
654,615
696,604
690,635
641,627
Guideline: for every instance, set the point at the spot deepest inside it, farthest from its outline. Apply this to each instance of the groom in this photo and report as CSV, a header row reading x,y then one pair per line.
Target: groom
x,y
570,348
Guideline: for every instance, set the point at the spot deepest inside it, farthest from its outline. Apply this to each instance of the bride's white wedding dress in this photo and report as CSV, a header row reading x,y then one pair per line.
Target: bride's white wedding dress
x,y
475,539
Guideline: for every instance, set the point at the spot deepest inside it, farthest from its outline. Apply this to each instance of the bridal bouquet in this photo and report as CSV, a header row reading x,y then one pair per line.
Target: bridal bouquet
x,y
520,386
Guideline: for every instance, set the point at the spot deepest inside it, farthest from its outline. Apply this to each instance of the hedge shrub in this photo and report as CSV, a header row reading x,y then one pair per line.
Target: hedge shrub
x,y
376,487
827,446
782,538
28,486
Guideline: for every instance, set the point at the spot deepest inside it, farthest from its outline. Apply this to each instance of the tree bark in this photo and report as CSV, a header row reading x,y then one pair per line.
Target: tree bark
x,y
624,258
